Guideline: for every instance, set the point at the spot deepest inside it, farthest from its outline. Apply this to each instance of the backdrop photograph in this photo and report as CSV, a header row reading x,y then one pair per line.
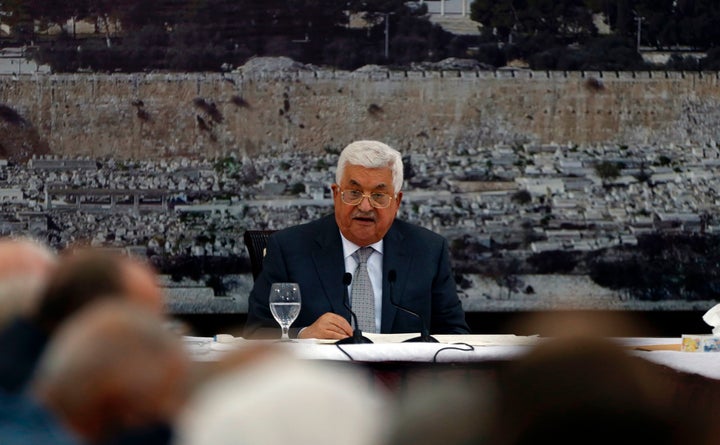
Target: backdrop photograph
x,y
567,150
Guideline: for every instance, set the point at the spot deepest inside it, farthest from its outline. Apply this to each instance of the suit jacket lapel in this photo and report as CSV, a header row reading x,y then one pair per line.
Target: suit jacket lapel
x,y
327,255
395,257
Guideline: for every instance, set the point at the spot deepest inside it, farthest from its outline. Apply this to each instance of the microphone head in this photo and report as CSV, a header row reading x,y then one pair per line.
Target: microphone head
x,y
347,279
392,275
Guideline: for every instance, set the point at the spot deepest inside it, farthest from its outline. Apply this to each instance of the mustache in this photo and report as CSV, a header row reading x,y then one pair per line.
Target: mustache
x,y
358,214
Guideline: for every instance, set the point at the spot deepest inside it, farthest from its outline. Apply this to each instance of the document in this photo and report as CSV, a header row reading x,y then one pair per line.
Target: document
x,y
475,340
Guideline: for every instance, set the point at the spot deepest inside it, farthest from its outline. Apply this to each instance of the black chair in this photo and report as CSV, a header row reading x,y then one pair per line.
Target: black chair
x,y
255,242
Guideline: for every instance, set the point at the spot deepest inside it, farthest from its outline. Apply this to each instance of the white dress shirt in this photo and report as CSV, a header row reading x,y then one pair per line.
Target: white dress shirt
x,y
374,267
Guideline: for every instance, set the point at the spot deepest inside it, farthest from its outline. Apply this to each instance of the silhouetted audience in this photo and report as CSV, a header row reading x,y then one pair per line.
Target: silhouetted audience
x,y
91,361
80,278
586,390
112,374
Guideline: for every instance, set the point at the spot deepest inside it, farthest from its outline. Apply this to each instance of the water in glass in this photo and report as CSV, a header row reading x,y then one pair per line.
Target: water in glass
x,y
285,305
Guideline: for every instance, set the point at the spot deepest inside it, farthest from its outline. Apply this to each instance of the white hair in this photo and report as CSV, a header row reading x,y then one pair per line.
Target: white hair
x,y
371,154
281,400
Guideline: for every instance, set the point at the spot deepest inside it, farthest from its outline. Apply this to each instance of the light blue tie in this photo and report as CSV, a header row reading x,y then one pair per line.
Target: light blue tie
x,y
363,297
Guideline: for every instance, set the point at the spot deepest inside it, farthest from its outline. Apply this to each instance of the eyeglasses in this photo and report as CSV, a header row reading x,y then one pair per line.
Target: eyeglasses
x,y
355,197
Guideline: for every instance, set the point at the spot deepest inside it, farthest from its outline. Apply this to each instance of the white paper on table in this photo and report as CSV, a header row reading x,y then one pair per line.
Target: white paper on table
x,y
475,340
490,340
377,338
390,338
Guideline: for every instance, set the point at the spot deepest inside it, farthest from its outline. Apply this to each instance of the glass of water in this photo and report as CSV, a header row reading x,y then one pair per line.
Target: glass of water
x,y
285,305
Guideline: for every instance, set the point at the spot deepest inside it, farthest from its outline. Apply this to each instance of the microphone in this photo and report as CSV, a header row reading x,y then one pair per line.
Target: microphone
x,y
357,337
425,336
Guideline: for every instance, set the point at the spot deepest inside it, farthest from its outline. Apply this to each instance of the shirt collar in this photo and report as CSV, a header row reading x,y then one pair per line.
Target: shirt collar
x,y
349,247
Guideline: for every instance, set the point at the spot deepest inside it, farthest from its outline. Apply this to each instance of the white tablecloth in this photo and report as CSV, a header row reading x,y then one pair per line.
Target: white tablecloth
x,y
706,364
453,349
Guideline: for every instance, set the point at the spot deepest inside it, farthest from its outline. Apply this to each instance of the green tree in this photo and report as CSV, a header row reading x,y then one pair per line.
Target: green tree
x,y
500,15
698,22
623,23
522,197
607,171
611,53
712,60
563,18
19,15
108,15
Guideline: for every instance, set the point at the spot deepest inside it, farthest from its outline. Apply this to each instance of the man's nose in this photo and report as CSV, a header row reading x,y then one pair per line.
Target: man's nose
x,y
365,205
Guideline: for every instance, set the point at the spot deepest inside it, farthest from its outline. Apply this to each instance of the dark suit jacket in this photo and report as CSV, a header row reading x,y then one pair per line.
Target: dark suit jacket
x,y
312,256
23,421
21,344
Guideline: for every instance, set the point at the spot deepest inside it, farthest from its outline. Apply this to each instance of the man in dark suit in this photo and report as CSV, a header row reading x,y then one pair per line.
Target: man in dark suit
x,y
317,255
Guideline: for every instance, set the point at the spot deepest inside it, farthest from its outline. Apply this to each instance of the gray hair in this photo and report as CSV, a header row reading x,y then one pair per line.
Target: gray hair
x,y
251,393
371,154
112,351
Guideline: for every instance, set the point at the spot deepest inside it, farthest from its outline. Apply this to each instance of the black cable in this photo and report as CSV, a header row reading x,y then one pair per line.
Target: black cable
x,y
453,348
344,352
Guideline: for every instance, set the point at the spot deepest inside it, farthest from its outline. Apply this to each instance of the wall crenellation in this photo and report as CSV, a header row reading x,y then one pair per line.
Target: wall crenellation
x,y
379,73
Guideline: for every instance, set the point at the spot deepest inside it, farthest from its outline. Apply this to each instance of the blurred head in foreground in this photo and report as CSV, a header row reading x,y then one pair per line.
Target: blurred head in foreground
x,y
582,323
277,400
25,266
447,411
585,390
81,278
87,275
110,369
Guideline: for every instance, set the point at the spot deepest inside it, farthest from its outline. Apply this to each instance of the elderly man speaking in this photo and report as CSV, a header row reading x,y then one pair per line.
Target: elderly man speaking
x,y
402,277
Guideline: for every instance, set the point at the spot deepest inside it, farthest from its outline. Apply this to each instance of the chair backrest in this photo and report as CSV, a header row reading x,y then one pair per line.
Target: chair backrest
x,y
255,242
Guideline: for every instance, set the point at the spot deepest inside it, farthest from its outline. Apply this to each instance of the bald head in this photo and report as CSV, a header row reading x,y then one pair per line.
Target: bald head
x,y
25,266
24,256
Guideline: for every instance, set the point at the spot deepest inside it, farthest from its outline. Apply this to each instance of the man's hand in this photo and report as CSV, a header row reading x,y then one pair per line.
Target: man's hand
x,y
328,326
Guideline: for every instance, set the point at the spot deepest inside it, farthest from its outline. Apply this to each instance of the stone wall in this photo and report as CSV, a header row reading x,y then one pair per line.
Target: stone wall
x,y
149,115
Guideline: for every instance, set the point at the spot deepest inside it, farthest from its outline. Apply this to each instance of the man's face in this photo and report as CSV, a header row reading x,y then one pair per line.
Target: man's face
x,y
362,223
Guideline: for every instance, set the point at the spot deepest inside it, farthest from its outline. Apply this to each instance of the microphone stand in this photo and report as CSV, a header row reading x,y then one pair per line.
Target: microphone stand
x,y
357,337
425,336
